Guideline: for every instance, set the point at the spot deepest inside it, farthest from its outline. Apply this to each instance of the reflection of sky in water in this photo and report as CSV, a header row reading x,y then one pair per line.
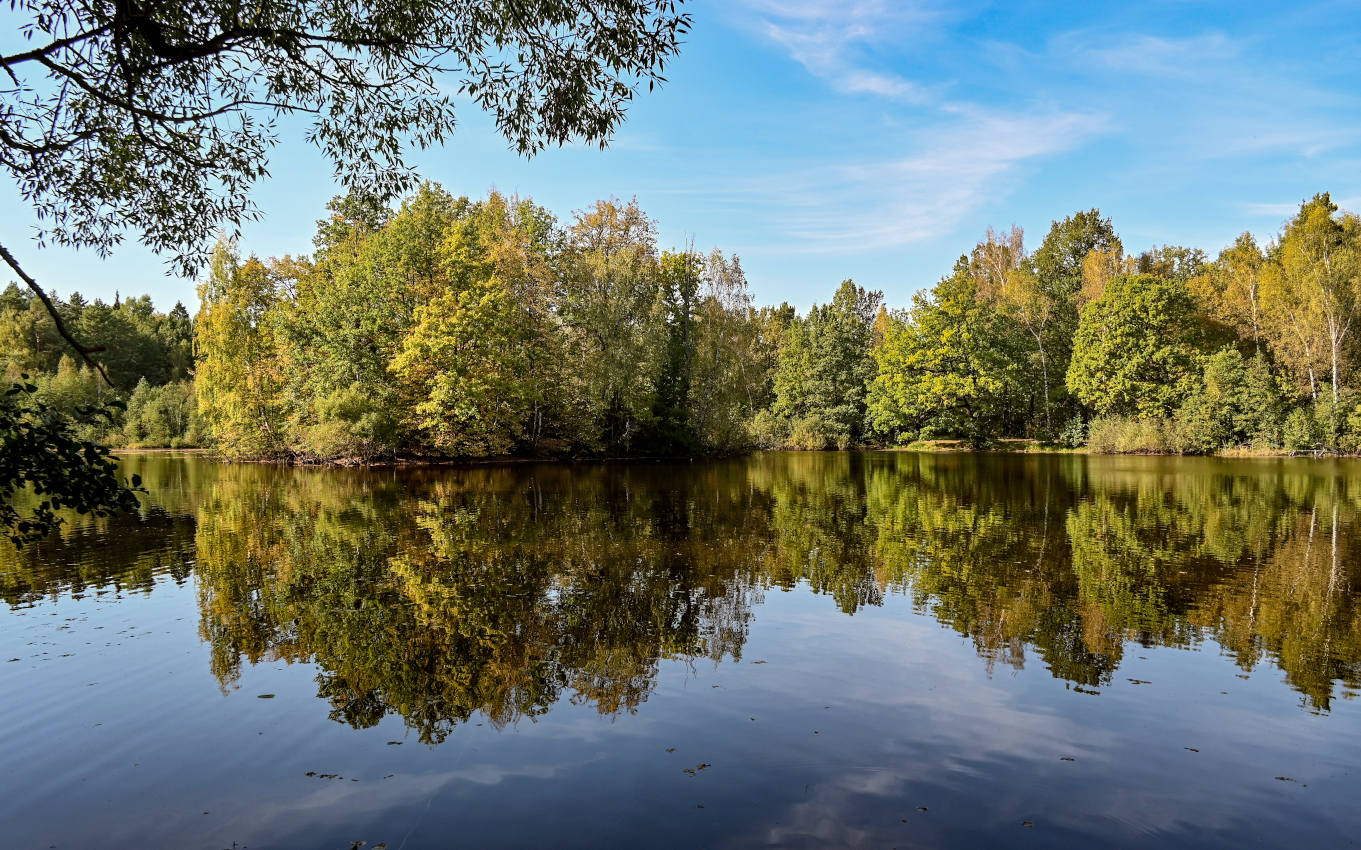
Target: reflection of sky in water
x,y
120,736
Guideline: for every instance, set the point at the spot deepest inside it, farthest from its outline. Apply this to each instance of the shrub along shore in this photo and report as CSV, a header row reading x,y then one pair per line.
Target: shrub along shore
x,y
453,328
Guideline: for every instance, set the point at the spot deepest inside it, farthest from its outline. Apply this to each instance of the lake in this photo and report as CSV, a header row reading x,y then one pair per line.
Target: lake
x,y
839,649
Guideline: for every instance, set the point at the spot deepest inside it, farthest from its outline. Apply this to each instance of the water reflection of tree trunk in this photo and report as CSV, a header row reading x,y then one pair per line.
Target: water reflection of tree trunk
x,y
1332,578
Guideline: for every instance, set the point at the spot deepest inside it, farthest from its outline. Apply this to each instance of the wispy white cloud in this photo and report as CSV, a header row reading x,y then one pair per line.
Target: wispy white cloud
x,y
970,158
1270,209
832,40
954,169
1209,95
950,156
1150,55
1282,210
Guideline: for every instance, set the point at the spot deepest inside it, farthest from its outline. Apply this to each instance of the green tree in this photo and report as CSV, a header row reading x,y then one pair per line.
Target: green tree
x,y
239,374
1231,288
1237,402
1137,350
1312,291
678,283
822,382
609,291
734,358
482,357
948,367
1007,280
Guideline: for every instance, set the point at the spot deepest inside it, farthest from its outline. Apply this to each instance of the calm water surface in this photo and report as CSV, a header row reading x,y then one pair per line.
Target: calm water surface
x,y
788,650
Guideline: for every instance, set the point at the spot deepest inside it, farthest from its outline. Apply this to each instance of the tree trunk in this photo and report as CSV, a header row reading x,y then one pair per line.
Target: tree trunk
x,y
1335,344
1044,371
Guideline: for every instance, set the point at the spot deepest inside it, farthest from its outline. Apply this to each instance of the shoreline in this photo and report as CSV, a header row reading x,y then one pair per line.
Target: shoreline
x,y
1012,446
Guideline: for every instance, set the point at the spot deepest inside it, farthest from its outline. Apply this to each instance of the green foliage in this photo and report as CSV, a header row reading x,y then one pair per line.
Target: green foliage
x,y
1073,435
479,328
142,143
463,361
1237,403
736,348
1137,350
1131,435
1311,294
50,465
1298,433
133,341
1059,261
679,278
240,375
825,369
468,328
354,422
1336,422
949,367
162,417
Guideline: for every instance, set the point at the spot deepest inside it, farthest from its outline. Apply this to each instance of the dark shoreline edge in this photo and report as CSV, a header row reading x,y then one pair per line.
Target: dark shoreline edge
x,y
508,460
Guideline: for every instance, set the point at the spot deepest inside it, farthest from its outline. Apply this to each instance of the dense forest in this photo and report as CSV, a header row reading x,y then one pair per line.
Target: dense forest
x,y
148,357
469,328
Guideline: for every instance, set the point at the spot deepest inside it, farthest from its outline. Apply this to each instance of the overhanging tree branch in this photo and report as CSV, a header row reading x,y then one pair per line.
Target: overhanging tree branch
x,y
86,353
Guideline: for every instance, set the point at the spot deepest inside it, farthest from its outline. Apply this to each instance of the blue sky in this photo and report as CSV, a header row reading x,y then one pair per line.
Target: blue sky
x,y
826,139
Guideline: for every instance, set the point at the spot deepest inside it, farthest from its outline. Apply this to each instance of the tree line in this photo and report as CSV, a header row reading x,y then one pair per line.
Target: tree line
x,y
453,327
148,399
1080,343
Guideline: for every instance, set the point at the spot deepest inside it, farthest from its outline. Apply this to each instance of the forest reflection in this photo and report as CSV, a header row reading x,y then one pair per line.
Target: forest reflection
x,y
440,594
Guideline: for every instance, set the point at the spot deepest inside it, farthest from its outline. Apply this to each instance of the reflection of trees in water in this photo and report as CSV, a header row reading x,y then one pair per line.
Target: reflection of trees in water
x,y
490,591
94,554
439,594
1254,556
114,555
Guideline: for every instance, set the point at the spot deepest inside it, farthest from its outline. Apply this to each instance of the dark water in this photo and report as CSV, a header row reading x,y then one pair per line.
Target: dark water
x,y
791,650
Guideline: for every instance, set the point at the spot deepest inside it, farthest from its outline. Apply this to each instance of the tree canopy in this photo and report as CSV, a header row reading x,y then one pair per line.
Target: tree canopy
x,y
156,118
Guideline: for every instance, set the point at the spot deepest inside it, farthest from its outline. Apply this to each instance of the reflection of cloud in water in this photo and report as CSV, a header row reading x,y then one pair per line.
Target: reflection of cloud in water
x,y
392,802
